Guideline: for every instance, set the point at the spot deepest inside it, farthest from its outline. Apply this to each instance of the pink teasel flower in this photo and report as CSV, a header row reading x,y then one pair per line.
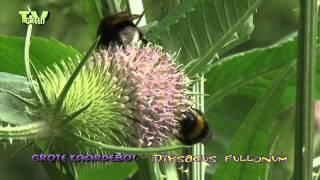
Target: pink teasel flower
x,y
160,90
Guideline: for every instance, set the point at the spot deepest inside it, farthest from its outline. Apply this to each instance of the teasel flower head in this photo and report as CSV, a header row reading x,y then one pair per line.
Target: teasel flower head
x,y
160,90
132,96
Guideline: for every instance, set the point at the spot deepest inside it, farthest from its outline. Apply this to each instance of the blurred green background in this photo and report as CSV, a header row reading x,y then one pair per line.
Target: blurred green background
x,y
273,20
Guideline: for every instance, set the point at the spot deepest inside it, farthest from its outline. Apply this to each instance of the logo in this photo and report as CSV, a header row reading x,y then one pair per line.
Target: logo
x,y
32,17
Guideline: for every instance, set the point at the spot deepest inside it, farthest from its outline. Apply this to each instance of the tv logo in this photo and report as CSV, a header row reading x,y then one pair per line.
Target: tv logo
x,y
32,17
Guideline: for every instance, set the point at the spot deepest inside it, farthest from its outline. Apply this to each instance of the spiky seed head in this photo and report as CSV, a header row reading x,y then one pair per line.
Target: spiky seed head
x,y
129,96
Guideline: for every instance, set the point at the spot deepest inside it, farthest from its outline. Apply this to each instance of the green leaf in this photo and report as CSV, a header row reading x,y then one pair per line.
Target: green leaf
x,y
238,70
253,138
43,52
114,170
95,10
235,84
155,10
204,29
12,110
283,145
92,14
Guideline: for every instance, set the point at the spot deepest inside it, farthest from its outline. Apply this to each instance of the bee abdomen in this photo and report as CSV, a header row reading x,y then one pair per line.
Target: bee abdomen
x,y
194,128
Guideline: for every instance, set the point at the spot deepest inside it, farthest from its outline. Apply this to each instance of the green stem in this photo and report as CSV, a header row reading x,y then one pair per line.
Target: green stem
x,y
27,61
195,170
136,7
29,131
305,97
198,168
148,169
123,149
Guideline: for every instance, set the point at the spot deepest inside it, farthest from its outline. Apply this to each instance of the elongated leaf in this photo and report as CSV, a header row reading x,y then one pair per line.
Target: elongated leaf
x,y
43,52
236,71
203,29
284,145
95,10
243,69
253,136
11,109
237,81
235,85
155,10
92,14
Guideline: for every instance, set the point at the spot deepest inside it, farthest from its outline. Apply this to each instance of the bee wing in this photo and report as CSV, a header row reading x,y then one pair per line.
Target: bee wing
x,y
123,16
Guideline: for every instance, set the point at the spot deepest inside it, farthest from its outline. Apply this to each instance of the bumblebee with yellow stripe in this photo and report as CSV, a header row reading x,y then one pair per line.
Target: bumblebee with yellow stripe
x,y
194,128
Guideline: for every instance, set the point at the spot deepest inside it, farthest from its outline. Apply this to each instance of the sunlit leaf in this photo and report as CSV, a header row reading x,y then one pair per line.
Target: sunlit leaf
x,y
11,109
253,137
204,29
43,52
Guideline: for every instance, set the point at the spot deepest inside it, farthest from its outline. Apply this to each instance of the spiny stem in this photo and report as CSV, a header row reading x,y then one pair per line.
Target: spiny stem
x,y
148,170
123,149
198,94
305,96
26,53
27,61
198,168
28,131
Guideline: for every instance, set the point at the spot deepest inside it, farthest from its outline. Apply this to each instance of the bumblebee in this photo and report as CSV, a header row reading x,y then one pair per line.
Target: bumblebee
x,y
119,30
194,128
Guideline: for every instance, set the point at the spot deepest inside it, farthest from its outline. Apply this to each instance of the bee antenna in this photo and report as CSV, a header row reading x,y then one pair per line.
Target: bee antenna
x,y
140,17
143,12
